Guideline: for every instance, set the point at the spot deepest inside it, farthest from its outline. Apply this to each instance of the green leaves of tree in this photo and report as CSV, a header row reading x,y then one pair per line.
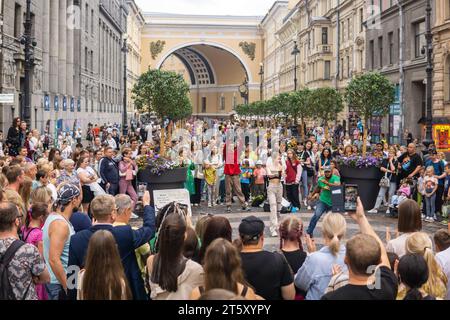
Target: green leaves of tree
x,y
163,92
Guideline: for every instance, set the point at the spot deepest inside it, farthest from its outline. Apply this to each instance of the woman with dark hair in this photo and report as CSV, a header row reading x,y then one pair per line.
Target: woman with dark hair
x,y
13,138
191,245
223,270
53,154
413,273
217,227
409,221
325,159
293,173
103,277
171,275
308,172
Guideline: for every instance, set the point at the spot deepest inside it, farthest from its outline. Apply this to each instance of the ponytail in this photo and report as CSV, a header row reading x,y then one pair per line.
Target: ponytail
x,y
413,294
335,245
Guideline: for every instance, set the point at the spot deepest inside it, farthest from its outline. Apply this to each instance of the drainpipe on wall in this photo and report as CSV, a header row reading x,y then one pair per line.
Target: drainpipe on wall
x,y
401,70
338,44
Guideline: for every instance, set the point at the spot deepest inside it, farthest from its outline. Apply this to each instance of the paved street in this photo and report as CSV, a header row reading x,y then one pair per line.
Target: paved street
x,y
378,221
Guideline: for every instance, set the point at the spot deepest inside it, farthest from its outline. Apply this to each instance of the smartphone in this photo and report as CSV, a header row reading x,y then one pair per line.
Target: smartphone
x,y
142,187
350,197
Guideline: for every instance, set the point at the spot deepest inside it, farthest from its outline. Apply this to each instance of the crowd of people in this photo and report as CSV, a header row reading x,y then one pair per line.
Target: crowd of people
x,y
65,212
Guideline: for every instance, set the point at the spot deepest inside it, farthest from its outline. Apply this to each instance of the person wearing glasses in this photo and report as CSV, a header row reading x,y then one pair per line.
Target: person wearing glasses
x,y
104,210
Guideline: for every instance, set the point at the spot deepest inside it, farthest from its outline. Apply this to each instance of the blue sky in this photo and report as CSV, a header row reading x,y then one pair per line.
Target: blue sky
x,y
218,7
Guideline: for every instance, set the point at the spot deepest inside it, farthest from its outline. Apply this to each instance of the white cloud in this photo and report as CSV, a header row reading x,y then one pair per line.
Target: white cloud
x,y
218,7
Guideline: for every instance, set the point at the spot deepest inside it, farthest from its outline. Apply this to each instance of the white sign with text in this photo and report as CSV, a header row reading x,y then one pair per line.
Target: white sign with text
x,y
164,197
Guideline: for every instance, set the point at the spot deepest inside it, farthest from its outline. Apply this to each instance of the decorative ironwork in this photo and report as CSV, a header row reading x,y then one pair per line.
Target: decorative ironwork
x,y
156,48
248,48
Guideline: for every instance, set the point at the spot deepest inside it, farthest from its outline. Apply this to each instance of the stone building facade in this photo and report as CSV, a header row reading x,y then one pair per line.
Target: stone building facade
x,y
69,59
441,83
394,50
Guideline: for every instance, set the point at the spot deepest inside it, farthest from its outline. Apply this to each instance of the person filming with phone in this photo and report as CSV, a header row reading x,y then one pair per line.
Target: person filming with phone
x,y
323,193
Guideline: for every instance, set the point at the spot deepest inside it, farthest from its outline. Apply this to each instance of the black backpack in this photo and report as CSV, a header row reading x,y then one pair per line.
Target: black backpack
x,y
5,286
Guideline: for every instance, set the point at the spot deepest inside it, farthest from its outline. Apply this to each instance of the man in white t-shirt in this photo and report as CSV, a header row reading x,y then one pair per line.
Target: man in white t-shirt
x,y
442,241
149,129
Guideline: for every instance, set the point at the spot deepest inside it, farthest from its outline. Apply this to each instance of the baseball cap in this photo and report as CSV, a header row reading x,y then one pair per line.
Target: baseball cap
x,y
259,163
327,169
251,227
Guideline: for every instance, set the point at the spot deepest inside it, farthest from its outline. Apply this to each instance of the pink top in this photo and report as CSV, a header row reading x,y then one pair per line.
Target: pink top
x,y
406,191
32,235
127,172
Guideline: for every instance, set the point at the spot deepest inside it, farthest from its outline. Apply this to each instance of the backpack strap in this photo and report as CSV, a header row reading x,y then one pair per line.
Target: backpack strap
x,y
244,291
28,234
10,252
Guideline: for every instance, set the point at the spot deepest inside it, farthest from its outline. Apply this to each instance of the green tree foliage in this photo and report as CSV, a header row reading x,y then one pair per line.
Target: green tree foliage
x,y
163,92
326,104
370,94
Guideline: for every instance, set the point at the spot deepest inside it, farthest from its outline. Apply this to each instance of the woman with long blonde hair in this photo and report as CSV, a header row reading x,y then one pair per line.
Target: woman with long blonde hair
x,y
316,272
25,192
436,286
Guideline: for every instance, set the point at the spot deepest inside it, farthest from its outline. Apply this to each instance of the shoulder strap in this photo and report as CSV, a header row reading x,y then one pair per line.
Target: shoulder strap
x,y
10,252
28,234
244,291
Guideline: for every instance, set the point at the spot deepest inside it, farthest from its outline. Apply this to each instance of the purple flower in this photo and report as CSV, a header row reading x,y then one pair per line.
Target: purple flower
x,y
359,161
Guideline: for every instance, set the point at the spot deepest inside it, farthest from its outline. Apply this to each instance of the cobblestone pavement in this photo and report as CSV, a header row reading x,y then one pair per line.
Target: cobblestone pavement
x,y
378,221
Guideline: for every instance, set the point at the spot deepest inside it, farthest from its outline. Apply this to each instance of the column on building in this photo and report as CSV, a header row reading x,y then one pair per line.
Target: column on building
x,y
54,56
62,44
70,57
46,45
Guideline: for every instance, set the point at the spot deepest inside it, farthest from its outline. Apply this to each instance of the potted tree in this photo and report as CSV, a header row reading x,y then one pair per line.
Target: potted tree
x,y
300,108
326,103
369,94
166,94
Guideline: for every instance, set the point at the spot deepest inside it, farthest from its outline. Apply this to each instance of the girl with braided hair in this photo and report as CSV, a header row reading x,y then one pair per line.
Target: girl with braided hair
x,y
291,232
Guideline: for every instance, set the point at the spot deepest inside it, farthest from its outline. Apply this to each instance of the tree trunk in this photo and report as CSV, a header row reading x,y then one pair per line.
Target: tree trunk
x,y
162,142
302,131
326,131
364,148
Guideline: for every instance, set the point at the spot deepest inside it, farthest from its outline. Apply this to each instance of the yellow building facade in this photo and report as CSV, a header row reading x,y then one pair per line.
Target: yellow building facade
x,y
219,56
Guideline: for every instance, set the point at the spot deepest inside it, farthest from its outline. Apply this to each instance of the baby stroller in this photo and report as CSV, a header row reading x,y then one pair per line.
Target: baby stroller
x,y
406,191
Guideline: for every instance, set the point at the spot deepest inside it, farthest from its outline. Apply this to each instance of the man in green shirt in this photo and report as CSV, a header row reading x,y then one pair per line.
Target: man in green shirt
x,y
324,190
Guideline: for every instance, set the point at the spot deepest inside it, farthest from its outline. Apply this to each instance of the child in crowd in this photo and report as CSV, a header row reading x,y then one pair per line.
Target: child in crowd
x,y
430,186
259,175
421,190
246,174
210,174
403,193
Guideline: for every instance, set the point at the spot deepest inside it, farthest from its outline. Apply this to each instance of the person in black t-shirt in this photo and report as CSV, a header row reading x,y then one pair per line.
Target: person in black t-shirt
x,y
267,272
409,164
370,274
291,231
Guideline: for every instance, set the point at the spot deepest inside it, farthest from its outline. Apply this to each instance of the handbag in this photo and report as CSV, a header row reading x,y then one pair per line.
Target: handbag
x,y
385,181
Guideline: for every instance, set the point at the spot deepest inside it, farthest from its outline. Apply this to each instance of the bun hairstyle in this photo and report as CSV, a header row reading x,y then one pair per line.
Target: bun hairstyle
x,y
291,229
334,227
413,272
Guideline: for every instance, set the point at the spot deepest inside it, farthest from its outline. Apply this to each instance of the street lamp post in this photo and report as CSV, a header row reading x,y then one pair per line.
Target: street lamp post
x,y
261,73
29,43
125,79
429,70
295,52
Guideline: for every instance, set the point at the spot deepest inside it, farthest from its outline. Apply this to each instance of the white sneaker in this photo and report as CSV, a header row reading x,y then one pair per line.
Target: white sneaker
x,y
305,202
274,234
134,216
373,211
424,217
309,208
388,211
209,206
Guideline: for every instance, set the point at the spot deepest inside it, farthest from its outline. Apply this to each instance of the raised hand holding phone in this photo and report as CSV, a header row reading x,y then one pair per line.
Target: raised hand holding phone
x,y
359,213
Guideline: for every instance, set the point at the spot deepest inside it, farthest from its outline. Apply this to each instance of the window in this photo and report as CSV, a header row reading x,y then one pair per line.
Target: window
x,y
92,61
327,71
349,29
372,54
380,48
361,20
324,35
391,47
222,103
92,22
86,28
348,67
419,38
86,58
17,21
342,68
203,104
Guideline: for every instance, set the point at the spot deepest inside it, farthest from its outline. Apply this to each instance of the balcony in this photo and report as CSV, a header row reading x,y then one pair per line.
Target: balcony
x,y
324,48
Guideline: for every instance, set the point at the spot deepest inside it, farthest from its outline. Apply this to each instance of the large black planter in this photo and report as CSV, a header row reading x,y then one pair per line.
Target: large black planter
x,y
367,179
171,179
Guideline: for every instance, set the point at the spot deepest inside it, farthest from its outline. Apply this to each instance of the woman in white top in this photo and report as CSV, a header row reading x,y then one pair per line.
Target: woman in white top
x,y
171,275
274,169
409,221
